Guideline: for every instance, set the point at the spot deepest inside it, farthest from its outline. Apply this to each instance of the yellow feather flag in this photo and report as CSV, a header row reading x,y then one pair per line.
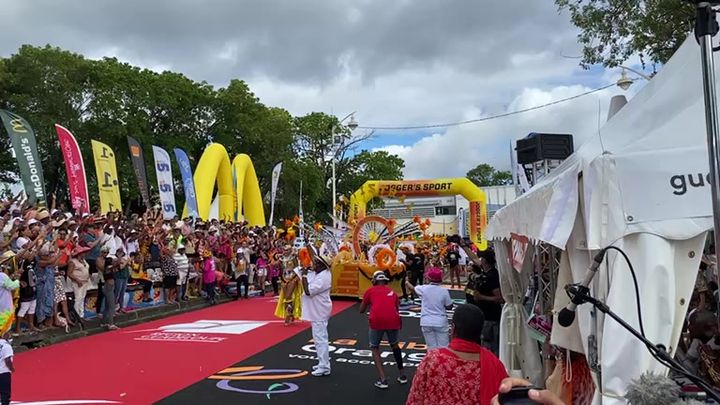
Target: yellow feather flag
x,y
107,177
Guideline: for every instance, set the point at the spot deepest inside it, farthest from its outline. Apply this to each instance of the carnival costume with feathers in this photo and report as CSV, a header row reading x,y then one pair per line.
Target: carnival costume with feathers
x,y
8,288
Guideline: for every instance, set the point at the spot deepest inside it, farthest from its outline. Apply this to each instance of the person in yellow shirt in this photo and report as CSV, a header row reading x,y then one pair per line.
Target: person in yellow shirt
x,y
138,275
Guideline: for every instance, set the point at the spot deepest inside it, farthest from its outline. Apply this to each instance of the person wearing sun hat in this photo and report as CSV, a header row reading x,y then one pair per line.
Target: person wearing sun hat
x,y
435,302
209,276
317,307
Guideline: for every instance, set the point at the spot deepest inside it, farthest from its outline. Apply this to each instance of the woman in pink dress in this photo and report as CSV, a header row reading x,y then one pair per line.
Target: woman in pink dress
x,y
209,275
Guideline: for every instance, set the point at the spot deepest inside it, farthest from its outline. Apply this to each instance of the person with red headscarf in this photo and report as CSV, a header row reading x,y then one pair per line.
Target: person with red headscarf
x,y
463,373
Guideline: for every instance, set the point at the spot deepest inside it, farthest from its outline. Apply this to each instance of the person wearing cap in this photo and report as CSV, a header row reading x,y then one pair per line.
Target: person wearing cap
x,y
79,273
317,307
483,291
384,321
433,311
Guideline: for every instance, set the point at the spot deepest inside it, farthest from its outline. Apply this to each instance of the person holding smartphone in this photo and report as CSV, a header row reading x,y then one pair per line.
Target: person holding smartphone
x,y
542,397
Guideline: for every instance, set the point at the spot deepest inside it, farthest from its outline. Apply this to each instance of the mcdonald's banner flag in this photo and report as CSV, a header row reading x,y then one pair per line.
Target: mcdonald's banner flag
x,y
188,184
23,142
138,163
163,170
273,189
74,170
107,177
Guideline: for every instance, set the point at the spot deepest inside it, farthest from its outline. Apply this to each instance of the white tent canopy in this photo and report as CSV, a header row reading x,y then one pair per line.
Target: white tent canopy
x,y
639,185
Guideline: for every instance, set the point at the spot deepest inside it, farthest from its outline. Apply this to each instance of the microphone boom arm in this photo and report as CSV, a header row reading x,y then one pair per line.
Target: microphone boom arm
x,y
580,294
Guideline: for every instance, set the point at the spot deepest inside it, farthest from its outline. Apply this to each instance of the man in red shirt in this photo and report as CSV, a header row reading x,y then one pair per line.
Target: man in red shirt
x,y
384,320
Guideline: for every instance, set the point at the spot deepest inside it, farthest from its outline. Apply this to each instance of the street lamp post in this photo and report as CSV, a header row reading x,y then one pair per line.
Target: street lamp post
x,y
624,82
352,125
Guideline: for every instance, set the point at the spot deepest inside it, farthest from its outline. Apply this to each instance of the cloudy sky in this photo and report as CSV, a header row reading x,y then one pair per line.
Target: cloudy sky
x,y
397,63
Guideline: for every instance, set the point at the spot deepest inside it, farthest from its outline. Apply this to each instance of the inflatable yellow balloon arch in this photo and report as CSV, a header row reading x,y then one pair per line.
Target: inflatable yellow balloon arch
x,y
427,188
238,189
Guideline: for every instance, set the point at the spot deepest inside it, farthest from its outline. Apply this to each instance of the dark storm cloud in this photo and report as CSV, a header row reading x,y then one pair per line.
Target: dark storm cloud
x,y
291,41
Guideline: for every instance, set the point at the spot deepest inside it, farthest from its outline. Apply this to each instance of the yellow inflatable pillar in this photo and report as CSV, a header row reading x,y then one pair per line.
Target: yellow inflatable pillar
x,y
247,191
214,167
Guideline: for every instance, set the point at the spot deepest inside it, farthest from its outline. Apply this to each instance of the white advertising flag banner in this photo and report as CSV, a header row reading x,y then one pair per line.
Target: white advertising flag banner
x,y
665,184
273,189
163,171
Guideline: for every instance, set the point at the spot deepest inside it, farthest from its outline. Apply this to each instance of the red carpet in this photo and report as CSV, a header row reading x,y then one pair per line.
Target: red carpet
x,y
147,362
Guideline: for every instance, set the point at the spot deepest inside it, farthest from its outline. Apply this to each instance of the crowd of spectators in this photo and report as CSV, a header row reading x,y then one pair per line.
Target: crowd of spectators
x,y
61,258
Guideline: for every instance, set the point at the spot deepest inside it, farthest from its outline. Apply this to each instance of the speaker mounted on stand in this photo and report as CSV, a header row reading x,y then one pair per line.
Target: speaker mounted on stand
x,y
540,153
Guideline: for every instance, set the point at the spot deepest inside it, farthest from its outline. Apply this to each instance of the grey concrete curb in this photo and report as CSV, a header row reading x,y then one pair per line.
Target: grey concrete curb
x,y
57,335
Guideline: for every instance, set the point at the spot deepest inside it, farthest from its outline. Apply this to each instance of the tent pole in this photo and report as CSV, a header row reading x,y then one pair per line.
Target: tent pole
x,y
706,27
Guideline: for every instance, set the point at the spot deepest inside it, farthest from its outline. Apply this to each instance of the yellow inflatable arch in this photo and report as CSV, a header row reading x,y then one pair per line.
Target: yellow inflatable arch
x,y
427,188
240,199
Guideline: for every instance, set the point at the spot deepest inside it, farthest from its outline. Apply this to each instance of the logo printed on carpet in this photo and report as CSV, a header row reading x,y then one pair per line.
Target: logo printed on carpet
x,y
258,373
200,331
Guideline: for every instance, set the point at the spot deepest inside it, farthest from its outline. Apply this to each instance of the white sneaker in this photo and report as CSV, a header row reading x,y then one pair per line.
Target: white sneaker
x,y
320,372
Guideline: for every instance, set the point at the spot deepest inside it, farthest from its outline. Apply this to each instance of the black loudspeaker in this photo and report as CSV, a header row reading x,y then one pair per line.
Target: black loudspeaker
x,y
536,147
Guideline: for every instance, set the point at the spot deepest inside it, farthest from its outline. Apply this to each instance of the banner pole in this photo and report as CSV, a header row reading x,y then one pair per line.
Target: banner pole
x,y
706,27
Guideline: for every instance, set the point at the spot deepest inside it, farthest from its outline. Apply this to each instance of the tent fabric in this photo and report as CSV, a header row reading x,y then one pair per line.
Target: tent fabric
x,y
520,355
617,189
665,116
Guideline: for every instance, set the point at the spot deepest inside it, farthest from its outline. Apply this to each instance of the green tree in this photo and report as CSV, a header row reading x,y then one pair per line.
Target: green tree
x,y
108,100
104,100
314,143
612,31
47,86
379,165
244,125
287,203
7,163
484,175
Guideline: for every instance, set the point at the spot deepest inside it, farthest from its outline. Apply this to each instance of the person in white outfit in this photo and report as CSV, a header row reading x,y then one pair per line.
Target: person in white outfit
x,y
317,307
433,316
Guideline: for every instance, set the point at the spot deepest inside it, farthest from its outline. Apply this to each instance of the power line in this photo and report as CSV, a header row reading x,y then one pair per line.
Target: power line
x,y
492,117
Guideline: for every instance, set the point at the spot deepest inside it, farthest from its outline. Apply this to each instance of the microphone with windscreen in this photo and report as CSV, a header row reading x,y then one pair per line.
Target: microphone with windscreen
x,y
577,292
